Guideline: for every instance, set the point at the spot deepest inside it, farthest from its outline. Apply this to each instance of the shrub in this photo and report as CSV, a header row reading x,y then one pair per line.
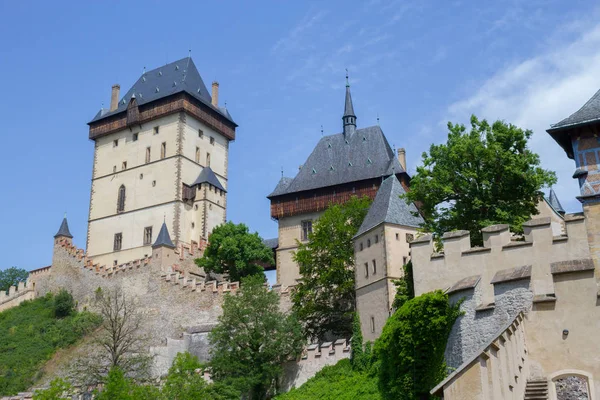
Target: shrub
x,y
64,305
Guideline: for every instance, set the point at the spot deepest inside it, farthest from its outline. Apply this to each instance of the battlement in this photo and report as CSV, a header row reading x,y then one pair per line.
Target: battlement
x,y
538,256
16,295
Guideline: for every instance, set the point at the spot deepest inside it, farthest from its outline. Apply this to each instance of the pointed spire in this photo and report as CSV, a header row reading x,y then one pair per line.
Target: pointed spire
x,y
349,117
64,229
163,239
553,200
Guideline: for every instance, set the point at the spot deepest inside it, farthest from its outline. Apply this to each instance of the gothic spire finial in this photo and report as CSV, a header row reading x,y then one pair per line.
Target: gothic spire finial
x,y
347,82
349,118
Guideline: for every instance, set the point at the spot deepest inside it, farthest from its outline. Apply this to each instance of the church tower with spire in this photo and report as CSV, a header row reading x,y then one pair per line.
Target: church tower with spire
x,y
354,162
160,154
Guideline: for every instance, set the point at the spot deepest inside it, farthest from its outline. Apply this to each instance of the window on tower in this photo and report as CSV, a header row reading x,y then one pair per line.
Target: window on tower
x,y
212,140
200,133
163,150
306,229
118,241
121,199
115,142
135,137
147,154
198,155
147,235
208,159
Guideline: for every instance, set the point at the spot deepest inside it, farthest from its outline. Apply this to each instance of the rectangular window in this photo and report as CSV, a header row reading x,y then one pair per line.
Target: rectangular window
x,y
306,229
372,324
198,155
208,159
374,267
376,238
397,236
124,165
409,237
118,241
200,133
115,142
163,150
135,137
156,130
212,140
361,246
147,155
366,270
147,235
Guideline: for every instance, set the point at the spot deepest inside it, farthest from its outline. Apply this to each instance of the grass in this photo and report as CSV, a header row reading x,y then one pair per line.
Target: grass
x,y
336,382
30,334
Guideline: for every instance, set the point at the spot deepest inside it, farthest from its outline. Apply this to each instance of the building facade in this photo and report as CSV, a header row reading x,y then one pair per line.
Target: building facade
x,y
160,155
347,164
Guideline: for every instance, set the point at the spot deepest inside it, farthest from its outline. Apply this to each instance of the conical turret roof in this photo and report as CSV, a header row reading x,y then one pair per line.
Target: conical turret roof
x,y
553,200
163,239
64,229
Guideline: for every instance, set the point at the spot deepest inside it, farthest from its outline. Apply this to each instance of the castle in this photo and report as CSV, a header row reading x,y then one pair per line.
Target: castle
x,y
159,187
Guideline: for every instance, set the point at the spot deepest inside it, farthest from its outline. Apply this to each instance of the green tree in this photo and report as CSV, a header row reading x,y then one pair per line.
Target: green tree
x,y
410,350
117,386
233,250
253,339
479,178
185,382
324,299
11,277
64,304
59,389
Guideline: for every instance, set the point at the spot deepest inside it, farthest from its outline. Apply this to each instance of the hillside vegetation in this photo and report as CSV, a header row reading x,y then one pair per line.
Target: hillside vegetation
x,y
337,382
32,332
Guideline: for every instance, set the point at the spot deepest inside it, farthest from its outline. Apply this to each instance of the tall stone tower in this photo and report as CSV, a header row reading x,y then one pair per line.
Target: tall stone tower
x,y
160,155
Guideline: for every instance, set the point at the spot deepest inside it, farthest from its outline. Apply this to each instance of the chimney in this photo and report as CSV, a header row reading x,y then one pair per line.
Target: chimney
x,y
215,93
114,97
402,158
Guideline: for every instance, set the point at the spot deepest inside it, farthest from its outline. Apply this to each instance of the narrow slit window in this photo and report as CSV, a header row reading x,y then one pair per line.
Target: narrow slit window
x,y
200,133
374,267
115,142
212,140
163,150
198,155
121,199
208,159
366,270
124,165
156,130
372,324
148,154
135,137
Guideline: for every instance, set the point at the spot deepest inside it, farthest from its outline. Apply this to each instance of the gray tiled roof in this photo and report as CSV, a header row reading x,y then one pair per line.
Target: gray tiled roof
x,y
339,159
271,243
588,113
281,187
208,176
64,229
176,77
388,207
553,201
163,239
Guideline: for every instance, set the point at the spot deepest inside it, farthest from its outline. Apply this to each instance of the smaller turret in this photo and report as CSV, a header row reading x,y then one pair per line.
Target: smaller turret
x,y
63,231
163,250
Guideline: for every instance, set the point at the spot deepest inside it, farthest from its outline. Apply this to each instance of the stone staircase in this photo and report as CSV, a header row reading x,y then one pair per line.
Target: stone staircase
x,y
536,390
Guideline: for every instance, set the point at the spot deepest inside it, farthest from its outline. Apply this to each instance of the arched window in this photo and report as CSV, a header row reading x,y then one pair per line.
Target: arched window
x,y
121,199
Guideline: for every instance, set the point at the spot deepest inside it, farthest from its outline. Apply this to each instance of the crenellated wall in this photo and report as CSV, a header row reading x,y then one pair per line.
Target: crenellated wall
x,y
16,295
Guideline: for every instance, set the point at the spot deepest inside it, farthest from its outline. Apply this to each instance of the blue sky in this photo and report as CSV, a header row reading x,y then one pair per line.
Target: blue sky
x,y
415,64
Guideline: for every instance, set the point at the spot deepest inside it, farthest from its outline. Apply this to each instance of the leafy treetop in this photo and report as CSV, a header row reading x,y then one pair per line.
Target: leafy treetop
x,y
479,178
11,277
232,249
324,298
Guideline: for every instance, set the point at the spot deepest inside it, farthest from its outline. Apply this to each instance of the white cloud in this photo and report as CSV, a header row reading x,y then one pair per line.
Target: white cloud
x,y
540,91
292,40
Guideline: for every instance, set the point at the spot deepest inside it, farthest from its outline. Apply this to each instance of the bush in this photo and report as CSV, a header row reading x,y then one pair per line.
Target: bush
x,y
59,389
64,305
337,382
410,350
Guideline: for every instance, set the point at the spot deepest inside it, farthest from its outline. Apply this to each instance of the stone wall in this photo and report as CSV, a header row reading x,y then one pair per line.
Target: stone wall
x,y
16,295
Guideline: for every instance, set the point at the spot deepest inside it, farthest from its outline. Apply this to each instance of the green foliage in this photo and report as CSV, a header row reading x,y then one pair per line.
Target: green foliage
x,y
324,299
233,250
337,382
410,350
479,178
11,277
184,382
405,289
59,389
64,305
117,386
253,339
30,334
